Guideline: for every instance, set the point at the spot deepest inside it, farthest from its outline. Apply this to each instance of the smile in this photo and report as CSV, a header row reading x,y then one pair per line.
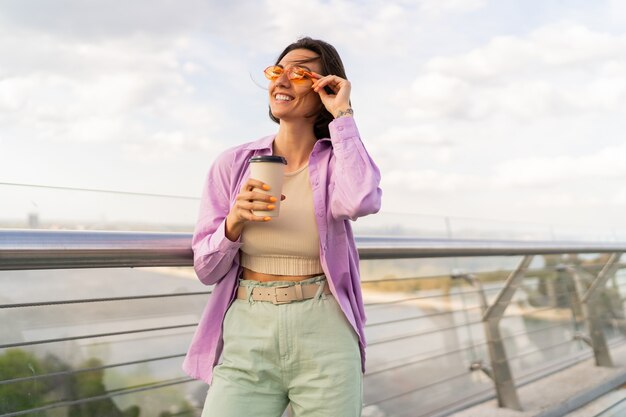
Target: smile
x,y
283,97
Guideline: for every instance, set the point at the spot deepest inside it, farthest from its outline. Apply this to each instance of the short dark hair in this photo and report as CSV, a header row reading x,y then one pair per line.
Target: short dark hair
x,y
331,65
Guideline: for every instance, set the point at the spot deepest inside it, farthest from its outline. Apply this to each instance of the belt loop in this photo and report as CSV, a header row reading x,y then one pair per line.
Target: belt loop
x,y
249,291
298,289
320,291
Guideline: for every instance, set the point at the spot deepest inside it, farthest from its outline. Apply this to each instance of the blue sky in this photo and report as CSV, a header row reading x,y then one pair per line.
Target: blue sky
x,y
510,110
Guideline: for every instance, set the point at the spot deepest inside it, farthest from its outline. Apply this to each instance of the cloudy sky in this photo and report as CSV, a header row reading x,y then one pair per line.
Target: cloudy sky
x,y
500,110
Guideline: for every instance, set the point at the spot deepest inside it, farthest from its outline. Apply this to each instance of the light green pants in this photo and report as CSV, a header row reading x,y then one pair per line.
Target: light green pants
x,y
304,353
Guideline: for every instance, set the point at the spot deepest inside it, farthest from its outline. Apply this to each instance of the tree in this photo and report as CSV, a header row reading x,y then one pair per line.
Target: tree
x,y
18,396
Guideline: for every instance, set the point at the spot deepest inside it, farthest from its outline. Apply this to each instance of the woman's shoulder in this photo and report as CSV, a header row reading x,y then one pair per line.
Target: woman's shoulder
x,y
242,150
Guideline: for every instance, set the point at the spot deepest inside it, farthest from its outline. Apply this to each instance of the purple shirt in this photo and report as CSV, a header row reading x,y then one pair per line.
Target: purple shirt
x,y
345,183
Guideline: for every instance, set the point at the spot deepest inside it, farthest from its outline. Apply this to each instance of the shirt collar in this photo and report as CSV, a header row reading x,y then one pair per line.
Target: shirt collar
x,y
265,143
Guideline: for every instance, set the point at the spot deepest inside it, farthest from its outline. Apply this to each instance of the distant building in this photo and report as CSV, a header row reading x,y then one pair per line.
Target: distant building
x,y
33,220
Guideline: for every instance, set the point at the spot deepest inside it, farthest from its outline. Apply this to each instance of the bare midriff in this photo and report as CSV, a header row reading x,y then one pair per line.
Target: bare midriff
x,y
249,274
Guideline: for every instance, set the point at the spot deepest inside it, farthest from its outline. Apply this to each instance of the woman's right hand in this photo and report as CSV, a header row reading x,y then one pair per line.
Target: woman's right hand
x,y
247,200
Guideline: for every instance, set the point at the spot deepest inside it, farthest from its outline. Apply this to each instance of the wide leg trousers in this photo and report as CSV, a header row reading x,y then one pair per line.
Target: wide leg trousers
x,y
305,353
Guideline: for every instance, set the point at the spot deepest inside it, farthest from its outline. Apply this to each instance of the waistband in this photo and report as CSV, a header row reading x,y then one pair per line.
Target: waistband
x,y
253,283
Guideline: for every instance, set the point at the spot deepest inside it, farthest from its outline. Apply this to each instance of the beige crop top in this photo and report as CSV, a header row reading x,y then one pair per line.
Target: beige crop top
x,y
287,244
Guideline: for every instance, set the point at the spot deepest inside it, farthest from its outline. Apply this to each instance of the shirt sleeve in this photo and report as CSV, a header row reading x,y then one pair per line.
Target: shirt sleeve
x,y
354,186
213,252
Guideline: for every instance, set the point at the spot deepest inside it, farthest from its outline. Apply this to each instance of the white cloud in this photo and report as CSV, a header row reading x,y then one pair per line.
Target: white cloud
x,y
549,47
619,196
132,90
607,163
556,70
503,55
435,95
414,135
437,7
566,44
566,172
430,180
616,11
98,19
376,27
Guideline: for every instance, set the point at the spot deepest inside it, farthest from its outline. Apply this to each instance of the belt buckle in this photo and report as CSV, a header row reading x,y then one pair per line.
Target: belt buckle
x,y
275,301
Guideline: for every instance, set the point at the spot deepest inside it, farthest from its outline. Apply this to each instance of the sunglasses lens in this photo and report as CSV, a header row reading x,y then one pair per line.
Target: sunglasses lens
x,y
294,73
273,72
297,73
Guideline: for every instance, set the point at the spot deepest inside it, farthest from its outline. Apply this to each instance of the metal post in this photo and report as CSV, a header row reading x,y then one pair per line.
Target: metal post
x,y
470,279
575,303
603,276
589,299
501,371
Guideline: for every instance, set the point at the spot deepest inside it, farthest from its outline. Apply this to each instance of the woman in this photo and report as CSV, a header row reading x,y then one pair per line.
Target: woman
x,y
285,320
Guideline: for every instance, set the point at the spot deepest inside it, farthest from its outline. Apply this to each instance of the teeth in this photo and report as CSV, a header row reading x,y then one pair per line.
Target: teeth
x,y
283,97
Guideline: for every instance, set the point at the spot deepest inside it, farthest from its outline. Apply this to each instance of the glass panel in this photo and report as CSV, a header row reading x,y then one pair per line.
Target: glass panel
x,y
424,329
107,355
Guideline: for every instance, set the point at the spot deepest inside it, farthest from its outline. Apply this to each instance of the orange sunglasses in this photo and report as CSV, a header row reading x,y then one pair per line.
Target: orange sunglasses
x,y
294,74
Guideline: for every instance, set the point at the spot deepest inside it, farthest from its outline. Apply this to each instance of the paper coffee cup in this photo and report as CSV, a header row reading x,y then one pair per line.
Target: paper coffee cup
x,y
271,170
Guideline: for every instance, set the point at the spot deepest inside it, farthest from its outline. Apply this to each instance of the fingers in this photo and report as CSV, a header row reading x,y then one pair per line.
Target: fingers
x,y
251,184
338,95
244,210
249,200
334,82
256,196
319,86
248,216
247,205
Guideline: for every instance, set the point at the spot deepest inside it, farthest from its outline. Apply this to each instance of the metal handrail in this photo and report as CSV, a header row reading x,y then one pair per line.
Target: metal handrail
x,y
410,361
55,249
58,249
103,299
94,335
37,377
420,388
404,247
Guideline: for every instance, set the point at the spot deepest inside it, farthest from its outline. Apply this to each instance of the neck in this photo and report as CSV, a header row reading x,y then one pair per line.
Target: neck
x,y
295,142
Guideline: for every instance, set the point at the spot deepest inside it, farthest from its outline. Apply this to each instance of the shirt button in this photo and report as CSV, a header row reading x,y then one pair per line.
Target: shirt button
x,y
320,214
340,128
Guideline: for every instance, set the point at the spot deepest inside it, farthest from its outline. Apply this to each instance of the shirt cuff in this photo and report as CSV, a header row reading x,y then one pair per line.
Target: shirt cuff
x,y
343,128
224,244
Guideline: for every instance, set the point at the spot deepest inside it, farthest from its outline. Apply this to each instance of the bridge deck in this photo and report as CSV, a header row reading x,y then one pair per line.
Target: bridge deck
x,y
612,404
568,391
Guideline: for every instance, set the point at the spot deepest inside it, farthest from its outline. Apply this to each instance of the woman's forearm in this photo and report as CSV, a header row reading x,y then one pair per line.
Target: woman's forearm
x,y
233,229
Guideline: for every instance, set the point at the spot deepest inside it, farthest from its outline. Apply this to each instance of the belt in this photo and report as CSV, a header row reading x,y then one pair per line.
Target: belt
x,y
283,294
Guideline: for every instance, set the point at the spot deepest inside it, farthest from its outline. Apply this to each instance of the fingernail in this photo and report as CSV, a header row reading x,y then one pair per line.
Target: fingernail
x,y
267,219
271,207
265,187
273,199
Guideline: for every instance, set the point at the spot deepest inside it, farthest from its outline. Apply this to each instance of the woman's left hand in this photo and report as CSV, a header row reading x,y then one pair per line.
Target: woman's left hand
x,y
338,101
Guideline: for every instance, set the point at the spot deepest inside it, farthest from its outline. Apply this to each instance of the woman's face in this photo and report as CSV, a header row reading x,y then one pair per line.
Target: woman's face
x,y
290,99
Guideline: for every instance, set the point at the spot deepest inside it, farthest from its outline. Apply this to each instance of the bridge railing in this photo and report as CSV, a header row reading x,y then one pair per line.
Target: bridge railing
x,y
451,322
